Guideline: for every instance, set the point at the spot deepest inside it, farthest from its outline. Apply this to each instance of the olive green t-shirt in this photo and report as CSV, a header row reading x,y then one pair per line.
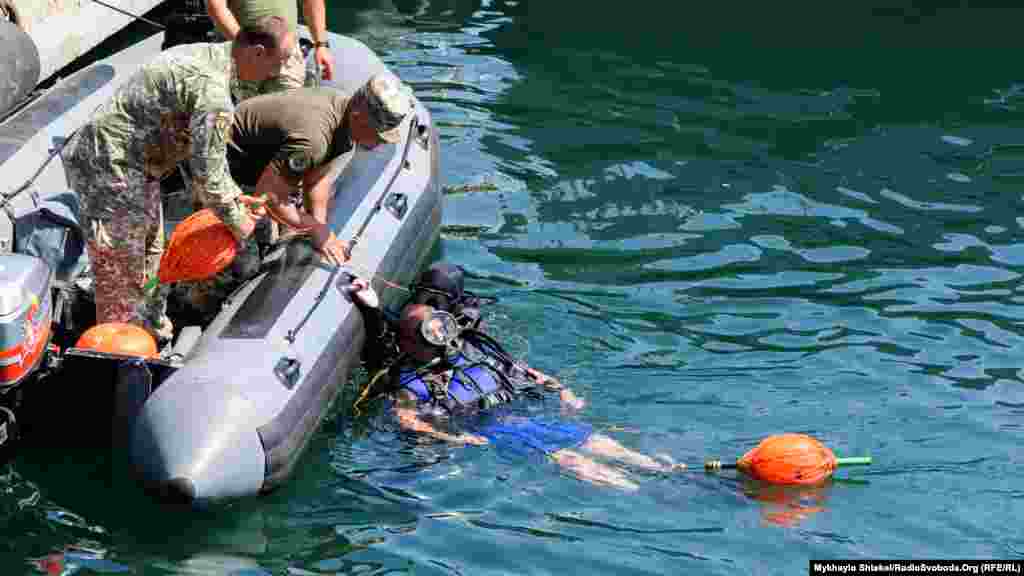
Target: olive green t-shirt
x,y
290,131
249,11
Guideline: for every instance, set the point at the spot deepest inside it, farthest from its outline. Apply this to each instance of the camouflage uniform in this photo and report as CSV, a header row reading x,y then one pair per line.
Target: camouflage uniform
x,y
293,75
176,107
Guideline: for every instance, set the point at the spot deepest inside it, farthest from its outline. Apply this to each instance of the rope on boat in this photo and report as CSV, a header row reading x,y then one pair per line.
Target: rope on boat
x,y
158,25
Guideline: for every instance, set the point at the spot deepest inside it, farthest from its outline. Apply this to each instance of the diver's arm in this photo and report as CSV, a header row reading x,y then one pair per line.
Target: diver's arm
x,y
410,420
365,299
223,18
565,395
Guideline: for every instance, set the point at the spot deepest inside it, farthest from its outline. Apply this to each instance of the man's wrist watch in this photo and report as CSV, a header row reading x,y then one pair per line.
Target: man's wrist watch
x,y
322,44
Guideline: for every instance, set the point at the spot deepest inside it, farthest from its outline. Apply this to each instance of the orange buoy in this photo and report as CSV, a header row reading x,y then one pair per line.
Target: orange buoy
x,y
200,247
119,338
789,459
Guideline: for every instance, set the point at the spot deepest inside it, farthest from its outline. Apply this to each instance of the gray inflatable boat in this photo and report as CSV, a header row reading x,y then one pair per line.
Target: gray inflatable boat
x,y
230,412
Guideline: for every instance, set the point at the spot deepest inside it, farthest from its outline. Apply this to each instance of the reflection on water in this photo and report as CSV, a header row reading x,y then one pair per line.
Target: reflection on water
x,y
716,222
787,506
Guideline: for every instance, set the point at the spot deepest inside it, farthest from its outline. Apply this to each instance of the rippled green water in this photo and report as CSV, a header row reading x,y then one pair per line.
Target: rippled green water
x,y
717,225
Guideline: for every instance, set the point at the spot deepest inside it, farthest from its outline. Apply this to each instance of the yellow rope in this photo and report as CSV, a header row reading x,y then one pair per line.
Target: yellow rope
x,y
366,391
384,281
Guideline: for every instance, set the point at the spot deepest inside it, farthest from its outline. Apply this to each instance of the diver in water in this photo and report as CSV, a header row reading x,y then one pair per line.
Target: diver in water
x,y
443,369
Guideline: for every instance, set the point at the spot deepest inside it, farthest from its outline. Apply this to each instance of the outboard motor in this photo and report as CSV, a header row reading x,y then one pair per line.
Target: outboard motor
x,y
19,65
25,312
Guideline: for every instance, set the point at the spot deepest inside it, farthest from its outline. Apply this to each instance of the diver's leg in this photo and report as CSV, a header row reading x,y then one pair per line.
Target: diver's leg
x,y
592,471
605,446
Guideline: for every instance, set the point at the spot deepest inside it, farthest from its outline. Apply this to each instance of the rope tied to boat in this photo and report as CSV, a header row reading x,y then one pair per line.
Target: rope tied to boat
x,y
7,198
131,15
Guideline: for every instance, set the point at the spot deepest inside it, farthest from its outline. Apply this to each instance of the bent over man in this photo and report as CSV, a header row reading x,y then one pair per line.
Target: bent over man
x,y
283,142
176,107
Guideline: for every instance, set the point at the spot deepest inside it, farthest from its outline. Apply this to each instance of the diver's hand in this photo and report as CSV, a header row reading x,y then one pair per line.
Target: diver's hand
x,y
336,251
549,382
361,290
471,439
571,401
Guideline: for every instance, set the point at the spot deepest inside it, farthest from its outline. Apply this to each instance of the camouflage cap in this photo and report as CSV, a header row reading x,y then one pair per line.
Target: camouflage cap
x,y
387,104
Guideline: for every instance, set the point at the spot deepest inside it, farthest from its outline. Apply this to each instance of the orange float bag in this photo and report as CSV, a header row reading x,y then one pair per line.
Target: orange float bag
x,y
118,338
789,459
200,247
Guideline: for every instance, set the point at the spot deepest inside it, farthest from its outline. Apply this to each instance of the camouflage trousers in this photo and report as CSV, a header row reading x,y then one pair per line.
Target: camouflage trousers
x,y
123,223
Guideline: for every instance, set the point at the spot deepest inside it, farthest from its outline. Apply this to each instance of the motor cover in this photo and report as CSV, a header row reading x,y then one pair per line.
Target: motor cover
x,y
25,315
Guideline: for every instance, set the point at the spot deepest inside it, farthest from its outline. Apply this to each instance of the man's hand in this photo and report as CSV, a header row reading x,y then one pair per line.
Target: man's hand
x,y
325,60
253,208
256,205
336,251
246,226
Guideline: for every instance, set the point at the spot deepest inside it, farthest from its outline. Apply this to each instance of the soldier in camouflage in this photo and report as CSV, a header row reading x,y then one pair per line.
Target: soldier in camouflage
x,y
286,142
176,107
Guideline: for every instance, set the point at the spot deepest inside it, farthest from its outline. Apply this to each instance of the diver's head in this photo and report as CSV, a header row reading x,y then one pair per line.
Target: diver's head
x,y
441,286
425,333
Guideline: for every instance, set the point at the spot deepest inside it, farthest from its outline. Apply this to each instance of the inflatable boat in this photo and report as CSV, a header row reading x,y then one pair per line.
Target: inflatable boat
x,y
230,409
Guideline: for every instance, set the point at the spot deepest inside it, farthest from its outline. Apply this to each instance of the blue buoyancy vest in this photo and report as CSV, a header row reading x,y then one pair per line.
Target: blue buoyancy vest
x,y
459,383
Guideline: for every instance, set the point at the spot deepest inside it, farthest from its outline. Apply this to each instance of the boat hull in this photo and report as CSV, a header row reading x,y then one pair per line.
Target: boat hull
x,y
236,417
232,415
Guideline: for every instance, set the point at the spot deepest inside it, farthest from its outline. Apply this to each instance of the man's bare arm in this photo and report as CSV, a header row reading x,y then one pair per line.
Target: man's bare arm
x,y
317,186
277,191
314,13
223,18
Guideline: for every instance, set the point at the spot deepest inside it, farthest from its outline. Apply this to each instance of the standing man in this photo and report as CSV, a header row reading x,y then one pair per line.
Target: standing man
x,y
176,107
230,15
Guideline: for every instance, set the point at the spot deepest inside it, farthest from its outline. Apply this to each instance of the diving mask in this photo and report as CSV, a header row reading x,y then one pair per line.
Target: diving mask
x,y
440,329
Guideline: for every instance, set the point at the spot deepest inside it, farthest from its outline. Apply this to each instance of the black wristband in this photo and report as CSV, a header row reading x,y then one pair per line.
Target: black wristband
x,y
324,44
